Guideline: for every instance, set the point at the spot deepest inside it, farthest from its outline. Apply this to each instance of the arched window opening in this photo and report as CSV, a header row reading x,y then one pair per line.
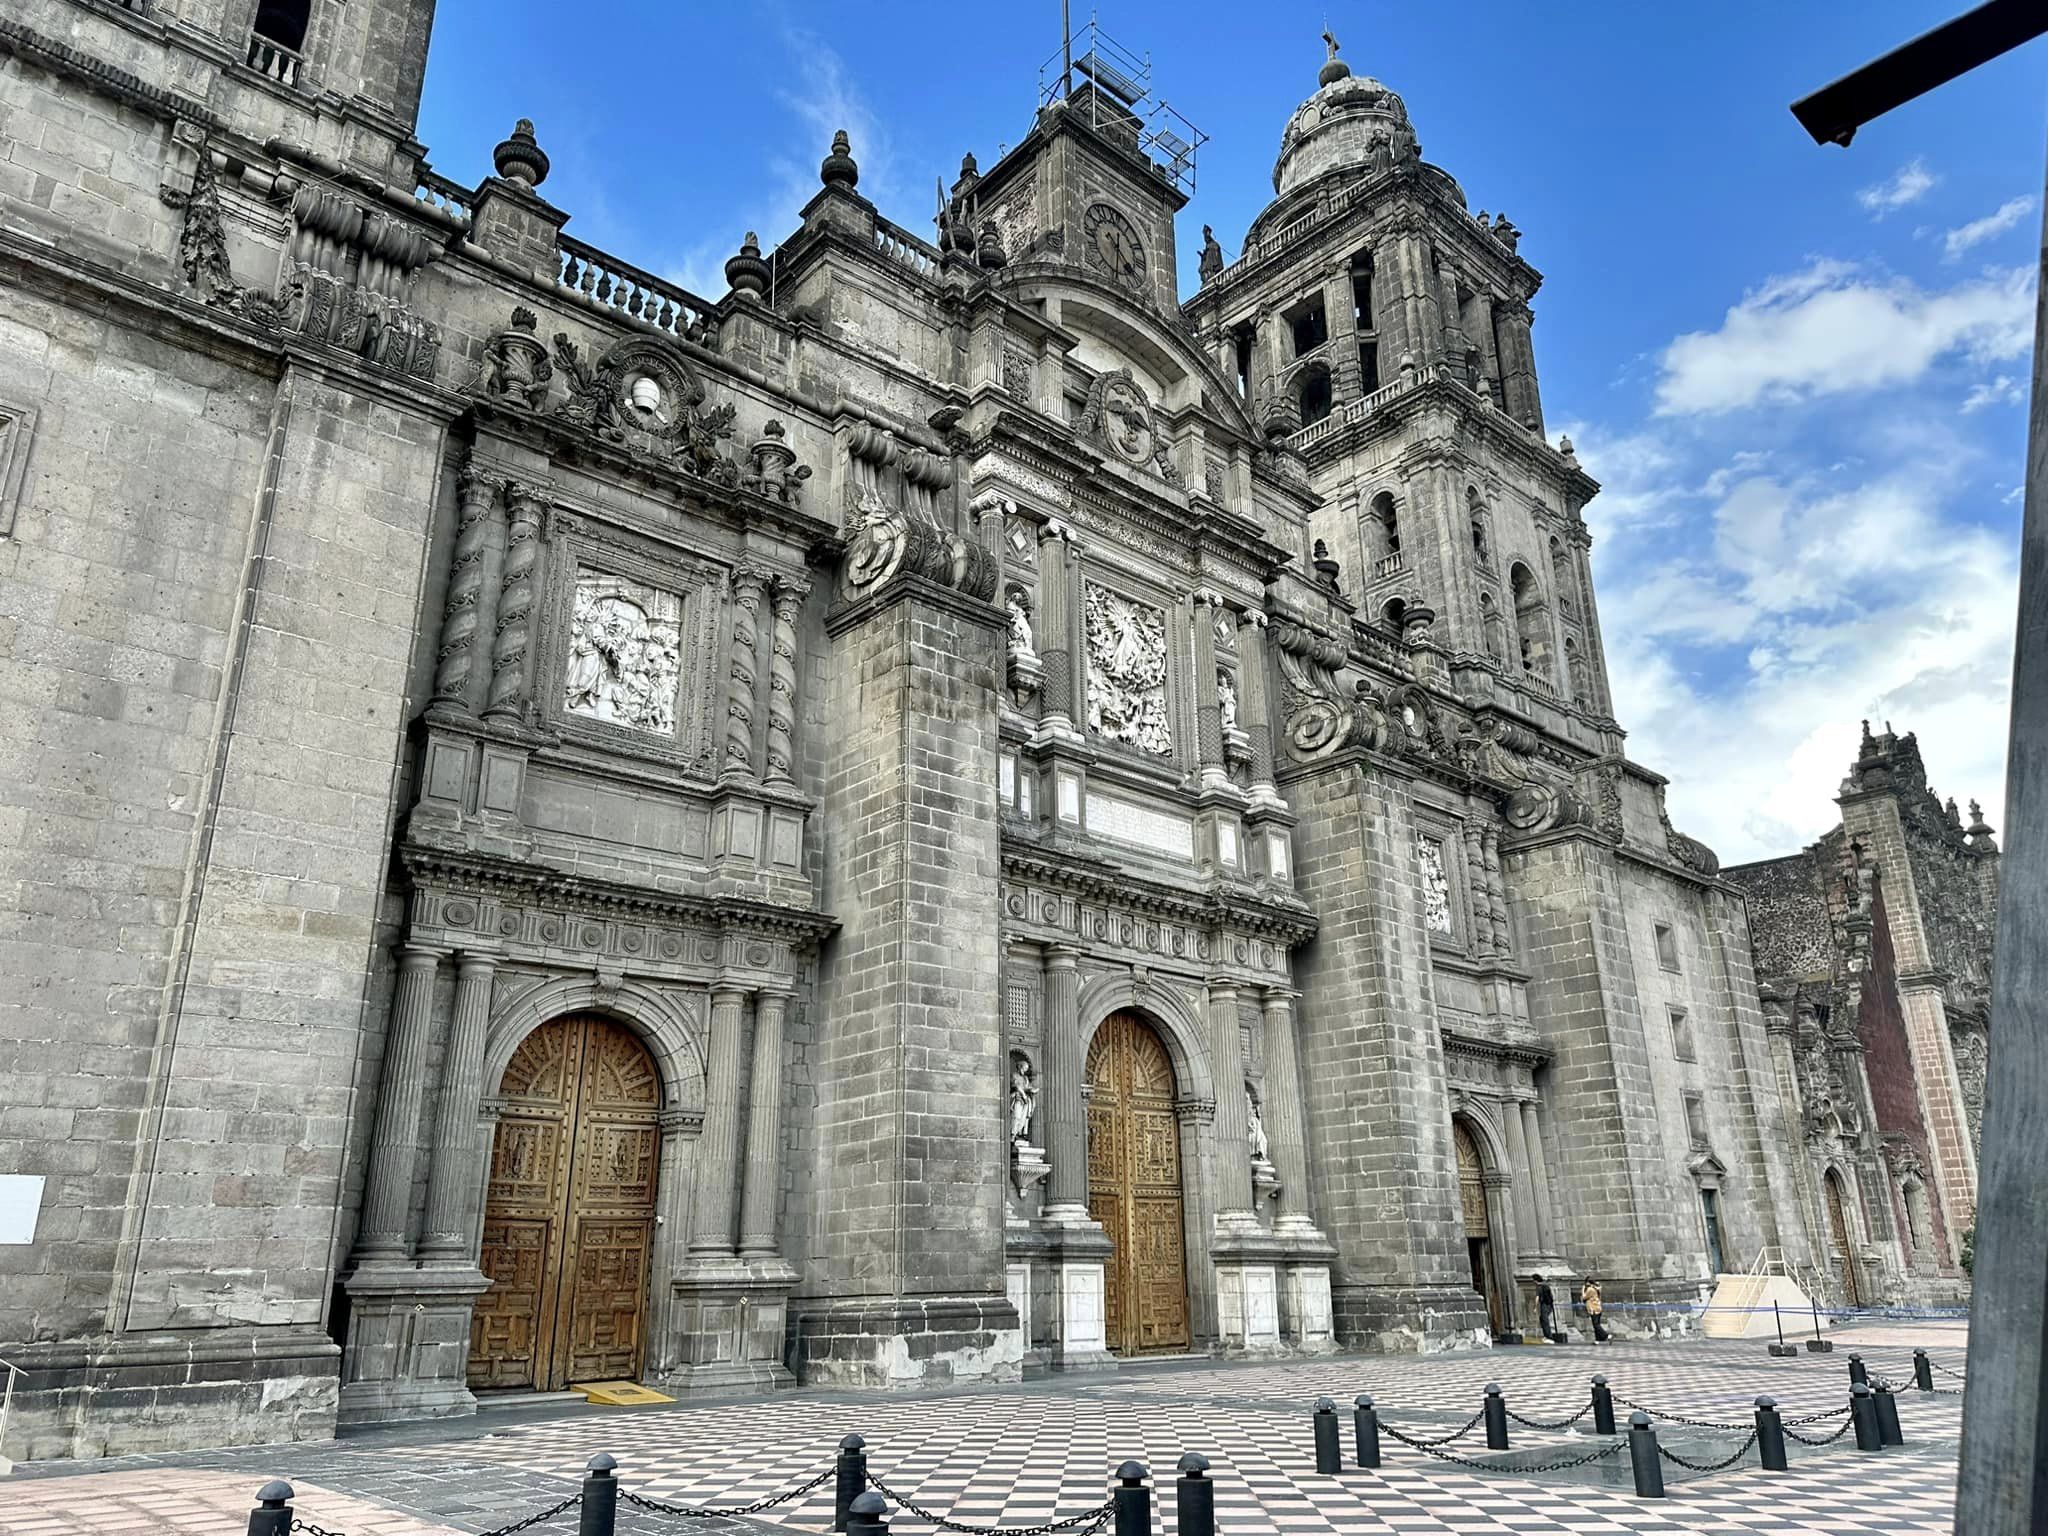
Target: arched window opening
x,y
284,21
1494,627
1531,621
1389,522
1575,669
1475,509
1394,615
1314,395
1362,322
1241,340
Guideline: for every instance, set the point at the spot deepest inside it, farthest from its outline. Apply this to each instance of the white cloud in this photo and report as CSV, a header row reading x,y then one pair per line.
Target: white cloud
x,y
1833,329
2003,390
1908,184
1977,231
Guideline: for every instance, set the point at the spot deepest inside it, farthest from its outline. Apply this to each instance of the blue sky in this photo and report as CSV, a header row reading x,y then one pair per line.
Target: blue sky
x,y
1800,372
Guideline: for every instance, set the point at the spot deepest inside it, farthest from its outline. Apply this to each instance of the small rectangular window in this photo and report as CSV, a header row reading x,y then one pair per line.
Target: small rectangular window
x,y
1667,947
1681,1035
1311,326
1696,1120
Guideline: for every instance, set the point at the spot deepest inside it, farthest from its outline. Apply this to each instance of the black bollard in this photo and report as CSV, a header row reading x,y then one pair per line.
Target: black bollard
x,y
851,1465
1888,1431
599,1513
1923,1373
1329,1461
1194,1497
1642,1457
1496,1410
1817,1344
868,1515
1603,1407
1857,1372
272,1515
1365,1431
1863,1415
1770,1435
1134,1499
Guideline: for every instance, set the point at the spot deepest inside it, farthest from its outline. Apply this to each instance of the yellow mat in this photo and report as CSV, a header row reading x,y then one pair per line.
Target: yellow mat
x,y
619,1393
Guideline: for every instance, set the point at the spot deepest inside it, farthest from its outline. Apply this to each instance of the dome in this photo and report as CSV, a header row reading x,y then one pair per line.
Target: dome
x,y
1340,127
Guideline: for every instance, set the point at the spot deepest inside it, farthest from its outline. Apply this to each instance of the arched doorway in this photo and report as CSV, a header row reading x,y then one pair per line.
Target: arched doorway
x,y
1479,1235
569,1219
1838,1230
1134,1186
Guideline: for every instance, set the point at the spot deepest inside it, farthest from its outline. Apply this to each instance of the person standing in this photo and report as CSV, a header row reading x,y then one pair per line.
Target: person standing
x,y
1589,1297
1546,1311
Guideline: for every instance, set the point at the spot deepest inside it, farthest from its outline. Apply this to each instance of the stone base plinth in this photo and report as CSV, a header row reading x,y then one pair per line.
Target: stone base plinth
x,y
1405,1319
908,1343
1306,1321
408,1342
729,1324
1248,1306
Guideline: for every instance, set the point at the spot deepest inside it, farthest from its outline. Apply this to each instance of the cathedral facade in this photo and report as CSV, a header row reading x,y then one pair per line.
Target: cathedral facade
x,y
941,815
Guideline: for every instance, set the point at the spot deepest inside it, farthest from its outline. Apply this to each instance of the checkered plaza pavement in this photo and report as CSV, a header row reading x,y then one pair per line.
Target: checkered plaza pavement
x,y
1024,1455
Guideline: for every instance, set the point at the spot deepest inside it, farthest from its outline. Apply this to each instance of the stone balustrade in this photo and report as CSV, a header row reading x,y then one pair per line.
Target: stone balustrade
x,y
606,284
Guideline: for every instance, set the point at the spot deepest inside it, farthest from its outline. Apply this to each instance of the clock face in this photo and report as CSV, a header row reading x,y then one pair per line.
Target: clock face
x,y
1114,246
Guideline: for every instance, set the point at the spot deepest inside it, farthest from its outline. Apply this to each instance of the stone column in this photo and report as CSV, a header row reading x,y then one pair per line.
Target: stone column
x,y
1496,893
1283,1111
1066,1125
1233,1147
1546,1219
1521,1185
394,1141
456,666
711,1232
742,673
1208,707
516,597
1475,890
1254,713
788,603
764,1131
452,1174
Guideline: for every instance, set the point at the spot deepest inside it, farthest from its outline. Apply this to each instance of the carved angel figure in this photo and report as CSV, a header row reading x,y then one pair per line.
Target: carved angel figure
x,y
624,659
1226,698
1020,624
1023,1097
1255,1125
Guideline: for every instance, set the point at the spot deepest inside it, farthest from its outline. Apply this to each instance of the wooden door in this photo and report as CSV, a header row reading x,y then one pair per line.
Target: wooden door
x,y
569,1220
1838,1229
1478,1226
1134,1187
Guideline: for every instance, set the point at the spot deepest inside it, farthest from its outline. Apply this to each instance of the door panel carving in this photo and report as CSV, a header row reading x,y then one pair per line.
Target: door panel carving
x,y
569,1221
1134,1186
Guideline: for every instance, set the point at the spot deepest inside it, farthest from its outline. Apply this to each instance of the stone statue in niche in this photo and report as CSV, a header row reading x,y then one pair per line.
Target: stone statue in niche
x,y
1436,889
1255,1126
1023,1097
1023,670
625,654
1020,623
1127,671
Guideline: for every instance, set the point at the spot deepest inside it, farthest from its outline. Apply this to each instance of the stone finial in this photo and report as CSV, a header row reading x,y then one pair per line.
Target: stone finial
x,y
1326,565
1334,68
747,272
520,158
1981,840
839,169
1565,450
989,252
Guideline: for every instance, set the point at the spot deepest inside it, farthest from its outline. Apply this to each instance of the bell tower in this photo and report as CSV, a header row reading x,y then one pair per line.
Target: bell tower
x,y
1383,328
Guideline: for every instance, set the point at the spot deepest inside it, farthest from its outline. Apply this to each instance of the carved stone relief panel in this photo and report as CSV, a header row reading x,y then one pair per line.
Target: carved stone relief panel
x,y
625,653
1436,889
1127,671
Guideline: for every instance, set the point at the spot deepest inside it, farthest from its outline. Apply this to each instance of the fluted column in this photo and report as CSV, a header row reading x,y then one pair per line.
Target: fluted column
x,y
1057,704
516,598
764,1131
1521,1184
1208,703
452,1174
394,1142
1065,1118
718,1146
1546,1220
1283,1109
742,674
788,603
1233,1145
456,666
1254,713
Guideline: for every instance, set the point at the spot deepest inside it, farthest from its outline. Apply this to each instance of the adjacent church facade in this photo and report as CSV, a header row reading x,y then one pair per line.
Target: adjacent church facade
x,y
942,815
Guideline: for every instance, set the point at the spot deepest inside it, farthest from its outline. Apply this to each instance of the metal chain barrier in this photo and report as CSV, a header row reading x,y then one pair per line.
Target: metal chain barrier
x,y
531,1520
1678,1418
1741,1451
1815,1418
1841,1429
1086,1523
1952,1375
1422,1445
313,1530
1613,1447
703,1511
1547,1424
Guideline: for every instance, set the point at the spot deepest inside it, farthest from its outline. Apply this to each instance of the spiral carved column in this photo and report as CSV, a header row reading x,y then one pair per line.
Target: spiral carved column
x,y
515,605
788,601
742,675
456,664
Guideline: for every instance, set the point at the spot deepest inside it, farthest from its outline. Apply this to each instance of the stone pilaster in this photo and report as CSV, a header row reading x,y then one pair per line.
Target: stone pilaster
x,y
516,597
394,1142
1539,1169
1521,1185
456,665
1255,708
452,1177
1518,365
743,683
1208,704
1283,1111
711,1231
1066,1121
1233,1128
788,605
1059,709
764,1131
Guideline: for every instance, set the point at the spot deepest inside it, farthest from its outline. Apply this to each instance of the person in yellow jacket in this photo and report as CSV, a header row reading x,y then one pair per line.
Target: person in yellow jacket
x,y
1589,1298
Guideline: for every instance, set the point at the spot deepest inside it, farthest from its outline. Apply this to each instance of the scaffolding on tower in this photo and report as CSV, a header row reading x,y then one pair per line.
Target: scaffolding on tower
x,y
1115,93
